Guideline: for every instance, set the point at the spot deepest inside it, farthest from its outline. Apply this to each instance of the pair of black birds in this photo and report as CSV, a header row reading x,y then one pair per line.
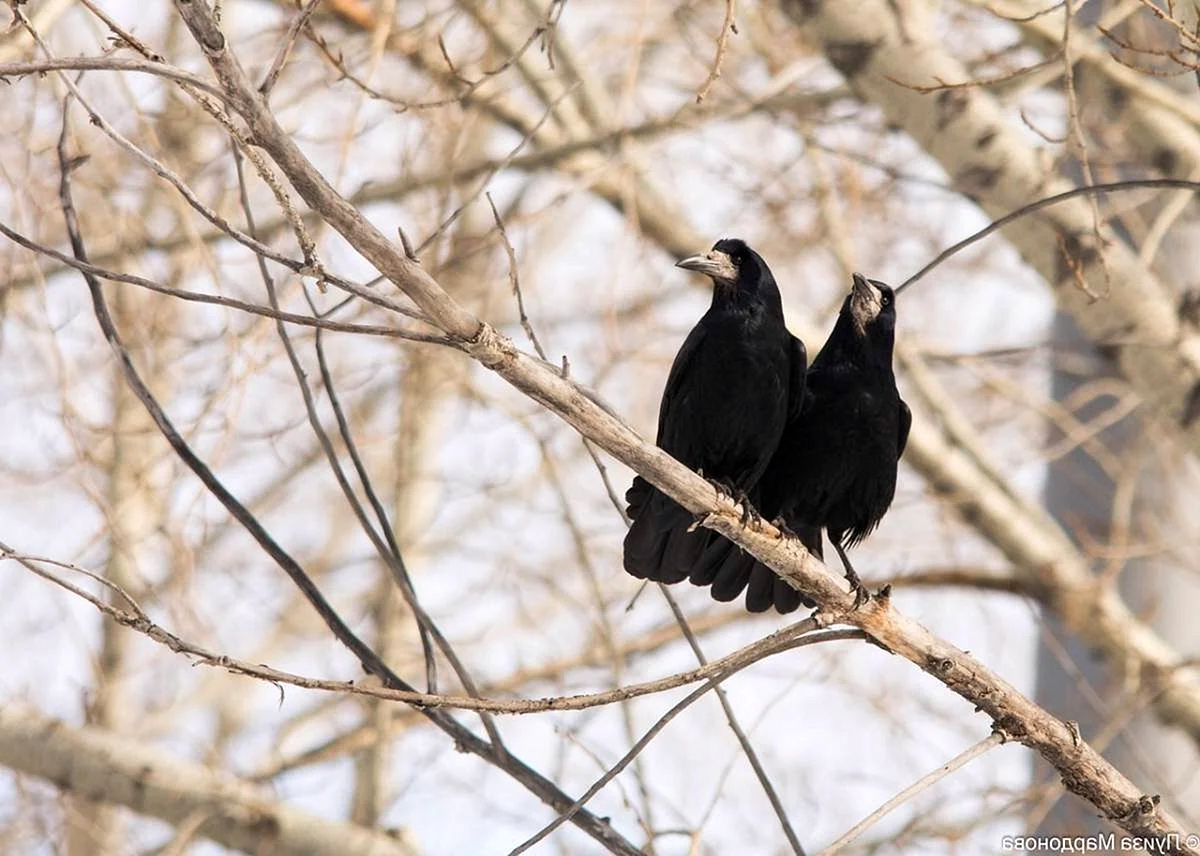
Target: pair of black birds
x,y
811,447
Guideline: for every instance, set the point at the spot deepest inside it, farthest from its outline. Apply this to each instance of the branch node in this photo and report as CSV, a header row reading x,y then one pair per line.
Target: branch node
x,y
1010,726
823,617
489,347
1145,806
409,252
313,270
1076,736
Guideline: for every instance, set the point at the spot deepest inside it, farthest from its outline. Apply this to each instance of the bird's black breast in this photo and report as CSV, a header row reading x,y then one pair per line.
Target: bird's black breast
x,y
842,449
726,400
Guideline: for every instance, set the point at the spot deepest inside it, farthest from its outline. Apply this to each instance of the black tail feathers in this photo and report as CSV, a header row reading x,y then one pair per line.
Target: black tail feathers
x,y
730,570
658,545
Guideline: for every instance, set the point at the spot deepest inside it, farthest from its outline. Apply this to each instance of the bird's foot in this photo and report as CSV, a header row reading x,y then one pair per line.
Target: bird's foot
x,y
727,490
750,517
723,487
861,594
785,531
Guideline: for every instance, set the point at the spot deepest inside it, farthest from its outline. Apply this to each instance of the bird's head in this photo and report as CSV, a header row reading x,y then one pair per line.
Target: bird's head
x,y
871,304
732,266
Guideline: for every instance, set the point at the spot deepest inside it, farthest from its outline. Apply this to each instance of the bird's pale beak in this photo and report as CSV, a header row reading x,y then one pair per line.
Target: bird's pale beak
x,y
866,301
867,286
715,264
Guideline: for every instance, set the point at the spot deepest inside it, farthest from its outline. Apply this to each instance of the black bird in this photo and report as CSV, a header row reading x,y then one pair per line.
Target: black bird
x,y
731,389
836,464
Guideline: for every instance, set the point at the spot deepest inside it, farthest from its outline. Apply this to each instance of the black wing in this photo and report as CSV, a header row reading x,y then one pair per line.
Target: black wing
x,y
659,543
681,369
905,425
798,384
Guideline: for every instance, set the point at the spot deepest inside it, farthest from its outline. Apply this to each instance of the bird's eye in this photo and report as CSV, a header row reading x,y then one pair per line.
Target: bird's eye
x,y
887,300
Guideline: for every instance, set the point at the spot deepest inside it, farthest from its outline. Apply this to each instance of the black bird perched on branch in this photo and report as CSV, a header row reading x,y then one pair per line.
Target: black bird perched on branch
x,y
836,464
732,387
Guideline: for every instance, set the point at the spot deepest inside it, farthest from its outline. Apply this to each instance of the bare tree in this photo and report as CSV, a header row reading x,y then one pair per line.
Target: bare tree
x,y
327,328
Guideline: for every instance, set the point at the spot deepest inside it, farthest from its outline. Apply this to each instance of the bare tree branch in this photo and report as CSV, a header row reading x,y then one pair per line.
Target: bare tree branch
x,y
1086,772
124,771
370,661
960,760
965,131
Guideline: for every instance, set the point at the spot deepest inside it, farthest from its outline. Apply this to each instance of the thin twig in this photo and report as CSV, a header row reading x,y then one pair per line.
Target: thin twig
x,y
285,49
607,632
759,772
1046,202
30,562
728,27
1166,217
1076,135
516,150
514,279
399,570
635,750
221,300
912,790
125,37
465,87
979,82
136,619
109,63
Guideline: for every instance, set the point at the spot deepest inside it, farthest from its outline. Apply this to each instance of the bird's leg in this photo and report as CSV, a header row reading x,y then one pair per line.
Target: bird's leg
x,y
785,531
702,517
726,488
861,595
723,487
750,515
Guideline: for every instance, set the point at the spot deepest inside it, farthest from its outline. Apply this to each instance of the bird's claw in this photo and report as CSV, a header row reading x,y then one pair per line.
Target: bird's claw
x,y
861,594
723,488
728,490
785,531
750,516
